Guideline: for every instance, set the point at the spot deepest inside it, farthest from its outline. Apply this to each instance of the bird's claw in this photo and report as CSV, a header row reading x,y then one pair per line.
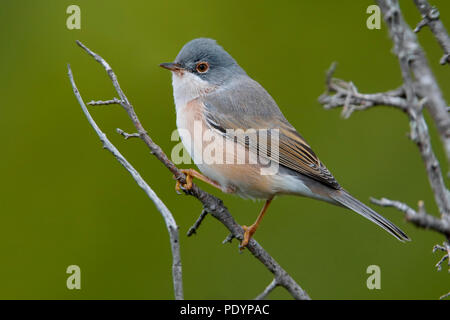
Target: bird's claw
x,y
179,187
248,233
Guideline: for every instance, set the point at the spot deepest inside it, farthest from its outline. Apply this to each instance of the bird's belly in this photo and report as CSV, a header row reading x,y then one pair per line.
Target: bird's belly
x,y
243,180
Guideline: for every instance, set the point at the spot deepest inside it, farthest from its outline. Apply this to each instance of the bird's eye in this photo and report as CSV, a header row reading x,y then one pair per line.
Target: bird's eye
x,y
202,67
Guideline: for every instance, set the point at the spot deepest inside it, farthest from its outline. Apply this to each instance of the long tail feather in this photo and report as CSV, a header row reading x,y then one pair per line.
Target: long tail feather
x,y
345,199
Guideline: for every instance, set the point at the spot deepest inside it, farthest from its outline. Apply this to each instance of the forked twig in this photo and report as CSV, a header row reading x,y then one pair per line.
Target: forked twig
x,y
166,214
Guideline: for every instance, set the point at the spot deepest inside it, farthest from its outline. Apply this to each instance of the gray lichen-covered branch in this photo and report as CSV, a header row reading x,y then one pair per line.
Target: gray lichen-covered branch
x,y
210,203
418,91
345,94
431,18
272,285
166,214
420,218
414,63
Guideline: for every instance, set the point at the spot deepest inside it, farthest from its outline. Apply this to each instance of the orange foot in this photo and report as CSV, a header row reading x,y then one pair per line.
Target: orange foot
x,y
190,174
248,233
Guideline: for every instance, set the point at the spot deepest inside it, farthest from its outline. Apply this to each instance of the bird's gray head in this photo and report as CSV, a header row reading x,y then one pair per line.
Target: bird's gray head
x,y
207,60
199,68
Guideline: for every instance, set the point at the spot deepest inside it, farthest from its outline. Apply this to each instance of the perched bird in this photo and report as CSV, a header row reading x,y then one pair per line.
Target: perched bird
x,y
214,94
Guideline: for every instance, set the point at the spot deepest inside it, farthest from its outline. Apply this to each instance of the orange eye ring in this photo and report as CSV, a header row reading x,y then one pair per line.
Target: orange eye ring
x,y
202,67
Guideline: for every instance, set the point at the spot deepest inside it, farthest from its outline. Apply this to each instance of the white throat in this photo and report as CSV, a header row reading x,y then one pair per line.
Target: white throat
x,y
187,87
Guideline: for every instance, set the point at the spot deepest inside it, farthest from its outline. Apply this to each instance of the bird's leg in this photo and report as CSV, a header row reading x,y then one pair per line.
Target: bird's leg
x,y
249,231
190,174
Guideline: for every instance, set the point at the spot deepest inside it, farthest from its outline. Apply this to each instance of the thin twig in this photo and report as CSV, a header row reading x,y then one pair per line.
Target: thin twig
x,y
439,248
444,296
440,262
430,18
405,99
103,103
127,135
166,214
267,290
154,148
445,248
420,218
346,93
229,238
193,230
209,202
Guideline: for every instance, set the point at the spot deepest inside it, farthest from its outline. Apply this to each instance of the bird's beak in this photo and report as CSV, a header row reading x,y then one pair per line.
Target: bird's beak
x,y
171,66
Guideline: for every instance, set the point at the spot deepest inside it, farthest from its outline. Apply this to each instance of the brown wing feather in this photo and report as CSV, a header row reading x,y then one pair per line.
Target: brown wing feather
x,y
294,152
297,155
245,104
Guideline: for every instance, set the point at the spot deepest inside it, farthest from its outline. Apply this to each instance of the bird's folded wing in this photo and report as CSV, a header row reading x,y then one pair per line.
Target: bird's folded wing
x,y
252,107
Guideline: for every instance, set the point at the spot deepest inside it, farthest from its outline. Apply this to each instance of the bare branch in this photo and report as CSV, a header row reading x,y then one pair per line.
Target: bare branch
x,y
440,262
193,230
166,214
107,102
210,203
439,248
420,135
267,290
127,135
346,94
154,148
444,296
420,218
413,62
405,99
445,248
229,239
430,17
419,90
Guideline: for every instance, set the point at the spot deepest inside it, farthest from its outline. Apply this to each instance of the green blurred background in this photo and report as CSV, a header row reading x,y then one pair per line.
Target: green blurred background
x,y
64,200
